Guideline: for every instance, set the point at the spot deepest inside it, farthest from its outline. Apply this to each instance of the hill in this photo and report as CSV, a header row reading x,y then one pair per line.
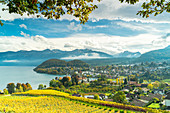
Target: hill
x,y
156,55
61,63
53,63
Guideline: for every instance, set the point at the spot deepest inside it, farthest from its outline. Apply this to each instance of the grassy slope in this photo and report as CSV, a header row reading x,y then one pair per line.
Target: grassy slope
x,y
86,100
51,104
154,105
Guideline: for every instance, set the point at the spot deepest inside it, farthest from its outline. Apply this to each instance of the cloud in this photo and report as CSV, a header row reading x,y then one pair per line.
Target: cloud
x,y
74,27
68,45
97,26
141,27
166,36
97,42
10,61
23,26
24,34
85,56
114,10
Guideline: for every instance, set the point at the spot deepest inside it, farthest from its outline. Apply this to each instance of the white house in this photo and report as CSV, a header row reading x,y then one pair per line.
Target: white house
x,y
167,100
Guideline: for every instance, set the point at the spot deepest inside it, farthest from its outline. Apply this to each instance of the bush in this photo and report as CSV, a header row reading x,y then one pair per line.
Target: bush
x,y
96,96
121,111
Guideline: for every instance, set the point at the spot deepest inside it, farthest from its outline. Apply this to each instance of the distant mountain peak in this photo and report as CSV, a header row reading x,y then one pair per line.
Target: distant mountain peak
x,y
129,54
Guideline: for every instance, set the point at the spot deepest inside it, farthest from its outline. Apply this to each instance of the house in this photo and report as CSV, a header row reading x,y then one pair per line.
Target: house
x,y
82,78
77,95
150,96
111,100
128,87
90,97
132,82
137,85
126,90
167,100
144,85
137,102
130,95
159,91
145,90
102,96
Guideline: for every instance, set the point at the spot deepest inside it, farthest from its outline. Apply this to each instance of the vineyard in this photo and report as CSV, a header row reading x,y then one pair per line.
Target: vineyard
x,y
91,101
51,101
47,105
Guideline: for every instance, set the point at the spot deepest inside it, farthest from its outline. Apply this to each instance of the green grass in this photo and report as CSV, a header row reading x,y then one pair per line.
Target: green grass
x,y
154,105
14,97
167,80
111,79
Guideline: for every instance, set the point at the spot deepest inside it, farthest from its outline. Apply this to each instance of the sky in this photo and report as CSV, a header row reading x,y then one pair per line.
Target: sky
x,y
112,28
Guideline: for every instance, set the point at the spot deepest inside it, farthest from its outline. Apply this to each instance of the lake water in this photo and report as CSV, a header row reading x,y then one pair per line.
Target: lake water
x,y
17,74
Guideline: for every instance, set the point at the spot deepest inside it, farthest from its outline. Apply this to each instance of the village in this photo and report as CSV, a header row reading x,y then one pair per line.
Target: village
x,y
144,85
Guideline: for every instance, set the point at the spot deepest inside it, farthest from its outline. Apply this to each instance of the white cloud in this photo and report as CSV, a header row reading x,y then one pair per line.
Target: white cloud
x,y
94,27
85,56
74,27
113,10
98,42
23,26
24,34
10,61
141,27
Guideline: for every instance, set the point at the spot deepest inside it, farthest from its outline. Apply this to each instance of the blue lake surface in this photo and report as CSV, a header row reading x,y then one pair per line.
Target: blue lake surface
x,y
24,74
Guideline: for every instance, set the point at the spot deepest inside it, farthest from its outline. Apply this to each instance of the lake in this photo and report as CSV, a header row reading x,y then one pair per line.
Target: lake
x,y
24,74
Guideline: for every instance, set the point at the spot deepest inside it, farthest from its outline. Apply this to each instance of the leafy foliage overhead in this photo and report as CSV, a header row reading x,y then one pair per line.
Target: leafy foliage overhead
x,y
53,9
151,7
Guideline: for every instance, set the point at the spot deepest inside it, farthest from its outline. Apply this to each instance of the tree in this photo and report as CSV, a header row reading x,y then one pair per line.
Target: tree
x,y
11,88
96,96
150,86
162,85
5,91
64,80
41,86
55,83
119,97
140,90
75,79
53,9
141,80
28,86
19,87
24,87
117,81
156,84
125,81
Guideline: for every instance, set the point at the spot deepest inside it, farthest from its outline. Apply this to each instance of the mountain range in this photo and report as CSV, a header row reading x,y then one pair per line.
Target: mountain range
x,y
58,54
36,57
